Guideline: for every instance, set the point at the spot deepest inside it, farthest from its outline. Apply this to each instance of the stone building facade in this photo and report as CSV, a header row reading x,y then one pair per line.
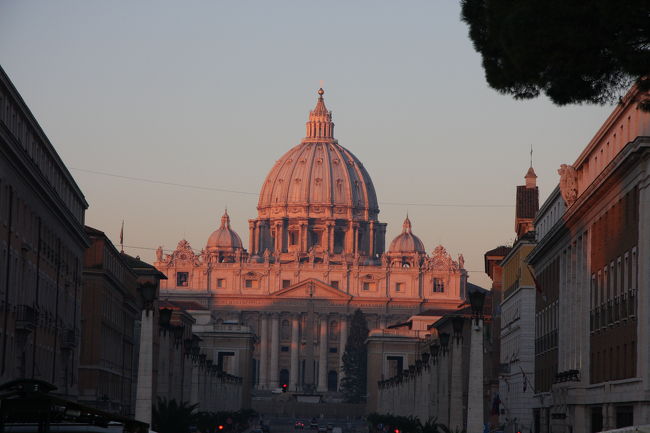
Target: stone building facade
x,y
444,377
316,252
42,242
592,267
110,316
517,324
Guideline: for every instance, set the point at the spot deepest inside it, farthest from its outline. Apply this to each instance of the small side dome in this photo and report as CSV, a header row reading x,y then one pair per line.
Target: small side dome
x,y
406,242
224,238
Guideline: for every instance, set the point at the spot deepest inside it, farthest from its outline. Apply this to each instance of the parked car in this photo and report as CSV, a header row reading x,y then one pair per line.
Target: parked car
x,y
313,426
299,425
329,427
337,430
322,429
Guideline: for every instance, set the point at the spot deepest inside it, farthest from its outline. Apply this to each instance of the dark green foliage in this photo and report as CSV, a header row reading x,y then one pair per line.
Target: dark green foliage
x,y
404,424
171,417
355,360
573,51
208,422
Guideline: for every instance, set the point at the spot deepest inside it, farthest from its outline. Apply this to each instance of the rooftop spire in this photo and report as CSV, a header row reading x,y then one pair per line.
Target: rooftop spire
x,y
225,220
320,123
406,227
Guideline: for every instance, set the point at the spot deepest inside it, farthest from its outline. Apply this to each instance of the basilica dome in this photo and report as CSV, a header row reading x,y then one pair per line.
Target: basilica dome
x,y
224,238
319,177
406,242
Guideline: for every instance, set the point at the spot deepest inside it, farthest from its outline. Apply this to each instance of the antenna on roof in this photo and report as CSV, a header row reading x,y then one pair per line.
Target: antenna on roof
x,y
531,155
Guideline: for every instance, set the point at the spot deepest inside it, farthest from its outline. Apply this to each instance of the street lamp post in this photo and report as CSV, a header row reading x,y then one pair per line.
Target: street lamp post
x,y
475,381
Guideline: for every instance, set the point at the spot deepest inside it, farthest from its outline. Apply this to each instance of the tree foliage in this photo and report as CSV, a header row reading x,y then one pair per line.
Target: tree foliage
x,y
572,51
171,417
379,423
355,360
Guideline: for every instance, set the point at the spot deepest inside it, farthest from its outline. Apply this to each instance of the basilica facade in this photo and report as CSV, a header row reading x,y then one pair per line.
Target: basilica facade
x,y
316,253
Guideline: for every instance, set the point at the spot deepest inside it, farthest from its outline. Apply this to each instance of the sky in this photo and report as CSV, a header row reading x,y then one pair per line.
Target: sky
x,y
209,94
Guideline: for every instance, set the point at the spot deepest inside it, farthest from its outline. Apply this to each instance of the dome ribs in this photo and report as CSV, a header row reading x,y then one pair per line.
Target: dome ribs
x,y
318,194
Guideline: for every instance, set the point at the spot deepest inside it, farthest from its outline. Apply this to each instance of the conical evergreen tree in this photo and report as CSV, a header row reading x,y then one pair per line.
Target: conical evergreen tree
x,y
355,360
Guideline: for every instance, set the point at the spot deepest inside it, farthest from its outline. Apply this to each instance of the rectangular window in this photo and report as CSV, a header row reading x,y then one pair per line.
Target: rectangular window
x,y
221,282
438,285
249,284
284,348
334,284
368,286
182,279
286,284
399,287
395,365
334,350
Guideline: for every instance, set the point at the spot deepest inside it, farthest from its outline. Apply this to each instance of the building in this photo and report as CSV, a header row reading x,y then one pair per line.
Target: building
x,y
110,316
394,349
591,265
435,372
517,324
493,269
42,242
316,253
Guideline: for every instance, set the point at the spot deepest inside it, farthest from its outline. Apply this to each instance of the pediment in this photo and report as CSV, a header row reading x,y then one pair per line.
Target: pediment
x,y
312,288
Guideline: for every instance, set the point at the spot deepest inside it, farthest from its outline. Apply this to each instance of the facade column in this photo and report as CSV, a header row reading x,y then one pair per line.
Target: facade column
x,y
330,237
322,355
371,248
303,237
251,236
349,239
194,391
475,381
355,238
456,387
275,343
264,339
144,390
443,387
293,370
343,339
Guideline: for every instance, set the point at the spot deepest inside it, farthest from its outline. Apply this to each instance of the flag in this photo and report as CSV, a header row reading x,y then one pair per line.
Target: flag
x,y
122,237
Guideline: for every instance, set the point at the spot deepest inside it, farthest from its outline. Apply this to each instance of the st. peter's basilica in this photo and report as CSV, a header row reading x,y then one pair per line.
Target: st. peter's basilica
x,y
316,253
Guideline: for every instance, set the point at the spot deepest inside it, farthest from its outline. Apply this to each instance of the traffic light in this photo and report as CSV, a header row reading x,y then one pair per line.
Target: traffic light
x,y
396,430
220,427
284,387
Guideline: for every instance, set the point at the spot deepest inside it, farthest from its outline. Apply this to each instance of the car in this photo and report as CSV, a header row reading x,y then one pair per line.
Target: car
x,y
257,430
322,429
329,427
313,426
337,430
299,425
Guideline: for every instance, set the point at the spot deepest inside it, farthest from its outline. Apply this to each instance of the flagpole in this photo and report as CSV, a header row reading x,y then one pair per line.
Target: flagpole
x,y
122,238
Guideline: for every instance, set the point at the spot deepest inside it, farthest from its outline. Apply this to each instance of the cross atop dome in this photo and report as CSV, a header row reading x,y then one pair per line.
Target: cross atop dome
x,y
320,123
